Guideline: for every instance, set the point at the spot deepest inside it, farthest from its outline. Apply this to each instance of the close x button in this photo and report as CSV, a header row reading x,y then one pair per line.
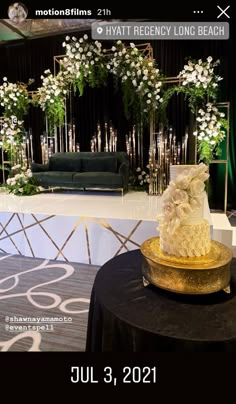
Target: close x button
x,y
223,12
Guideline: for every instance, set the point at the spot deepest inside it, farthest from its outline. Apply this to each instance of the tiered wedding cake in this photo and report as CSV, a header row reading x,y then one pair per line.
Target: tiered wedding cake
x,y
183,230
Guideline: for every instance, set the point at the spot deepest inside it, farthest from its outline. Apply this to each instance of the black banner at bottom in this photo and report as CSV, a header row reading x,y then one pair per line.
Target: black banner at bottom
x,y
74,371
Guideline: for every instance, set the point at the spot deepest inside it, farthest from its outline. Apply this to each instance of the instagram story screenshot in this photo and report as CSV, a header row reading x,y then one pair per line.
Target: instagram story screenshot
x,y
117,189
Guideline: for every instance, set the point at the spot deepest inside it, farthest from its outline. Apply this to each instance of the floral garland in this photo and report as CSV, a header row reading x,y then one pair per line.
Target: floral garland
x,y
14,98
85,63
198,81
210,132
139,76
182,197
88,63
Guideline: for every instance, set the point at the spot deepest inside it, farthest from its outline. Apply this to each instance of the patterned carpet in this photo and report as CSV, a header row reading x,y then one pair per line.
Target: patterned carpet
x,y
43,304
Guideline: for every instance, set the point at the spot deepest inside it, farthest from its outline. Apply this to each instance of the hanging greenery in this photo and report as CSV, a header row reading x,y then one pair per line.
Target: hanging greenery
x,y
198,82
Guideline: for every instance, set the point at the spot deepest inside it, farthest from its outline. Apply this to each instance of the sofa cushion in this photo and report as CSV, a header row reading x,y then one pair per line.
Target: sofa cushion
x,y
92,179
35,167
65,162
54,178
100,164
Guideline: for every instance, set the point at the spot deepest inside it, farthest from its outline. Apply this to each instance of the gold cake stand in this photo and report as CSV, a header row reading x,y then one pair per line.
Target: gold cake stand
x,y
188,275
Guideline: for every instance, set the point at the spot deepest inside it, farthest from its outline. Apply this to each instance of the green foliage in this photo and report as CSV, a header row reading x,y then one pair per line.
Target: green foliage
x,y
96,78
88,64
195,96
98,75
55,113
205,151
21,182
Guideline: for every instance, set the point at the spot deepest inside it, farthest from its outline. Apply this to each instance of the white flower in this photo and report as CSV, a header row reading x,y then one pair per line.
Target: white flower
x,y
200,74
179,196
196,187
169,210
209,128
182,197
16,167
183,210
183,181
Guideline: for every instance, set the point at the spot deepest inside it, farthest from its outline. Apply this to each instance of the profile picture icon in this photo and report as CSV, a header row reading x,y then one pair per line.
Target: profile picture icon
x,y
17,12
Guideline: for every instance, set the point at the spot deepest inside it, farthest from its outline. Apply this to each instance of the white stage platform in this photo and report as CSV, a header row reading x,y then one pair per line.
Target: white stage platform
x,y
85,227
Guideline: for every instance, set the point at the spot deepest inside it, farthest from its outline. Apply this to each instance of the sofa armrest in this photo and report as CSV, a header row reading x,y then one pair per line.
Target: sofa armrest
x,y
36,167
124,172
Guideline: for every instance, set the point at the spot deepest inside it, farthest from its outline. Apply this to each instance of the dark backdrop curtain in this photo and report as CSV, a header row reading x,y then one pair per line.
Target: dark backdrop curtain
x,y
24,60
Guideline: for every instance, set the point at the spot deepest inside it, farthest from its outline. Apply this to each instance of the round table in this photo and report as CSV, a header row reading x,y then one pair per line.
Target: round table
x,y
126,316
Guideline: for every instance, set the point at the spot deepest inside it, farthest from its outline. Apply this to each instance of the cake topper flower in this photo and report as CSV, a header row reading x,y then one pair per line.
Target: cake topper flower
x,y
182,197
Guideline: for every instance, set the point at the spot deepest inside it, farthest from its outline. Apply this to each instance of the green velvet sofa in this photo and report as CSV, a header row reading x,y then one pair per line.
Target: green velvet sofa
x,y
84,170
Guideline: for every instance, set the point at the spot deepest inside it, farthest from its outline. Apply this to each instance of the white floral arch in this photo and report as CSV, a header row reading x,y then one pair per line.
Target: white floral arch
x,y
88,63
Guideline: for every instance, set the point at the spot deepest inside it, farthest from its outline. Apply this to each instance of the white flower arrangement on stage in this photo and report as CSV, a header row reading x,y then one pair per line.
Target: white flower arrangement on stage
x,y
199,80
21,182
182,197
210,132
200,74
51,97
11,132
142,176
138,74
14,98
85,63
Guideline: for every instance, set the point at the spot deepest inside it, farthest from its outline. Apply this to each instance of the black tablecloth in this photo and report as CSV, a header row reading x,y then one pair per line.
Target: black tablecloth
x,y
126,316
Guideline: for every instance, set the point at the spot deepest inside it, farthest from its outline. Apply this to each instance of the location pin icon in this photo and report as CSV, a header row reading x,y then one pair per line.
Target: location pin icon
x,y
99,30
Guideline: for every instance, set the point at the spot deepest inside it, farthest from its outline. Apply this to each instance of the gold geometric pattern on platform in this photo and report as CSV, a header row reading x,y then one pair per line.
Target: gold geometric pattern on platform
x,y
83,224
